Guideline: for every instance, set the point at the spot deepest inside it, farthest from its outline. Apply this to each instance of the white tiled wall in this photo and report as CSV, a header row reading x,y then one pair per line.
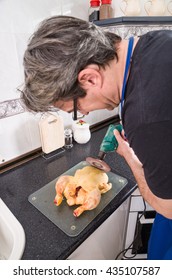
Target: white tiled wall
x,y
19,134
18,19
18,131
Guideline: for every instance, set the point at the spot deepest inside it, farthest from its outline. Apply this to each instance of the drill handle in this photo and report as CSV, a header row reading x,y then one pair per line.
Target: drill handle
x,y
109,143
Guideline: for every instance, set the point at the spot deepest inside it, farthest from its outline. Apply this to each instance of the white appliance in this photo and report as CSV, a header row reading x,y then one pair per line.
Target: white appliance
x,y
51,132
140,220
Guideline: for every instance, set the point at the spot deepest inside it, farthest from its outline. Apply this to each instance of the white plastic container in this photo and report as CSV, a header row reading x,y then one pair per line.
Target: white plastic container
x,y
81,131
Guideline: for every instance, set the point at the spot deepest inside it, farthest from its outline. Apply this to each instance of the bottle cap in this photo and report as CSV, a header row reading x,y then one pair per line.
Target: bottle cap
x,y
94,3
68,132
106,1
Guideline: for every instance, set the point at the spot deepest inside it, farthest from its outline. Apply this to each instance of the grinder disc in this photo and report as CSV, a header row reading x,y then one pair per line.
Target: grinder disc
x,y
98,163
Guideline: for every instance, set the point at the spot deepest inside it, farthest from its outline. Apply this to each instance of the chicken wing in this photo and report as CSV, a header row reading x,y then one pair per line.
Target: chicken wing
x,y
60,187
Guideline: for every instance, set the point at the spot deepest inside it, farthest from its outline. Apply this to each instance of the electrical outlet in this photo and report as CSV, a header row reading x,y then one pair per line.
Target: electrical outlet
x,y
1,159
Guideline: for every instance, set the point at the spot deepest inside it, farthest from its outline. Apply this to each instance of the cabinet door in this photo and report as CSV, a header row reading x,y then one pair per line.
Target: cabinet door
x,y
107,241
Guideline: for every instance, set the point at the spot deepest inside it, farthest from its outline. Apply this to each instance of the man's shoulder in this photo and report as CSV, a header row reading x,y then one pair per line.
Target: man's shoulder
x,y
158,34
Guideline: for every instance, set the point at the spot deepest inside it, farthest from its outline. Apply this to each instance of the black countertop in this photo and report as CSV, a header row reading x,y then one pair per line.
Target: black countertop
x,y
44,240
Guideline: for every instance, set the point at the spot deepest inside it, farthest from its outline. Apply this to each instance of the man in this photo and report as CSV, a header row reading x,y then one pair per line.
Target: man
x,y
71,63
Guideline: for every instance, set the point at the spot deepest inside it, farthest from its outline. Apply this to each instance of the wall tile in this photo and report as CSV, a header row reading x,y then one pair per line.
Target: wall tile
x,y
76,8
5,20
15,136
27,14
9,67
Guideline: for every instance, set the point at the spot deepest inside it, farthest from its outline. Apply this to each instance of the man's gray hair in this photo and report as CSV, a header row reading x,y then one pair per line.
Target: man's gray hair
x,y
60,48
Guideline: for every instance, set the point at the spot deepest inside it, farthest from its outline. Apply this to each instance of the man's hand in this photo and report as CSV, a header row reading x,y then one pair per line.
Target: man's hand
x,y
124,148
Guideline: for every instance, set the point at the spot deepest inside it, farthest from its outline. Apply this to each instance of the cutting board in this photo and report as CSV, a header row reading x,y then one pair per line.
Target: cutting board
x,y
62,216
51,129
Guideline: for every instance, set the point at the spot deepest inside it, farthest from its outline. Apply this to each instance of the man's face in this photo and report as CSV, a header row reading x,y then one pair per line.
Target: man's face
x,y
100,88
84,105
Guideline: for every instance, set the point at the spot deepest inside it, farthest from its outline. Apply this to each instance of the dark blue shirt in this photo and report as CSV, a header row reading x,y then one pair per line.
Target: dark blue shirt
x,y
147,111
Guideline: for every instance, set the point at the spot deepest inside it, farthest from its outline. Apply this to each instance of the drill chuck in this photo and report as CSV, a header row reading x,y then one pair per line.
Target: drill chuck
x,y
101,155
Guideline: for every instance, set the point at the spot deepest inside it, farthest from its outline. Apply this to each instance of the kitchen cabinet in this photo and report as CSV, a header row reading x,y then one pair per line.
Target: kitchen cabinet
x,y
107,240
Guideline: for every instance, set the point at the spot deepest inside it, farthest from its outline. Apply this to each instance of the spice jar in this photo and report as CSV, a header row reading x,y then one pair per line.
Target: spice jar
x,y
106,10
93,13
68,138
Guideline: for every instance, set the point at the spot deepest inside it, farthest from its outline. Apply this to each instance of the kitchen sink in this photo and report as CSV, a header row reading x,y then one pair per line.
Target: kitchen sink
x,y
12,235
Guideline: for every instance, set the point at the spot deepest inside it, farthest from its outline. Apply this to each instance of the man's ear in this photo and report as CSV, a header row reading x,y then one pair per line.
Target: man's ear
x,y
89,77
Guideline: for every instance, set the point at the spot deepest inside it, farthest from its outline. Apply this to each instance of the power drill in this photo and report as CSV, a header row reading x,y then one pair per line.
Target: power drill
x,y
109,144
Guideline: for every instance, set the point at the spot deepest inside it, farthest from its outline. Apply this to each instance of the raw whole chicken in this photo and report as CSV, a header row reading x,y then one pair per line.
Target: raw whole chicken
x,y
84,189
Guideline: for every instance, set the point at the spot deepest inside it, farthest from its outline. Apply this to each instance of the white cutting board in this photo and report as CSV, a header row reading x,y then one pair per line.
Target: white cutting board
x,y
51,132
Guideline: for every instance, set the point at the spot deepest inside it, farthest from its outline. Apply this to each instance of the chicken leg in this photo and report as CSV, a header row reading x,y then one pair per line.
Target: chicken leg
x,y
91,201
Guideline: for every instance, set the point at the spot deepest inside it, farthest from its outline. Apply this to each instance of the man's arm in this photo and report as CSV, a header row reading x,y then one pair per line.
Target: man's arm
x,y
162,206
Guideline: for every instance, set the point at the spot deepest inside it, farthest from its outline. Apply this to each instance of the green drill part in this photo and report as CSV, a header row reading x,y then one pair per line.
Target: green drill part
x,y
109,143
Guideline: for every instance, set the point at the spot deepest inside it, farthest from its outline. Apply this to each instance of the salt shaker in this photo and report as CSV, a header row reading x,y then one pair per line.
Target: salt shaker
x,y
68,138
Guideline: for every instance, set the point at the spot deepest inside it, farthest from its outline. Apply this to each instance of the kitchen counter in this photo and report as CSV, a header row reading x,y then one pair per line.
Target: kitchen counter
x,y
44,240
